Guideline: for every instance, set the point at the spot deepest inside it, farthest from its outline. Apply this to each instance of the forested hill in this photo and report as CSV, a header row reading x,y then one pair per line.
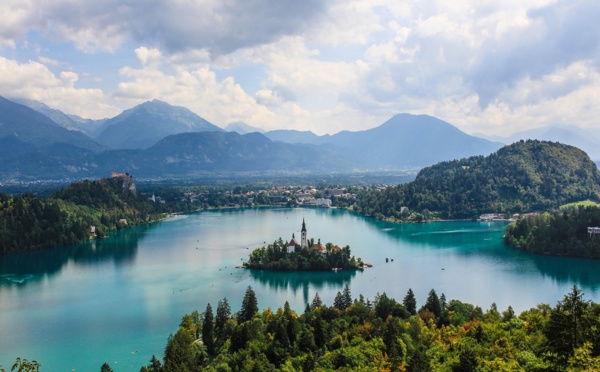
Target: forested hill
x,y
522,177
28,222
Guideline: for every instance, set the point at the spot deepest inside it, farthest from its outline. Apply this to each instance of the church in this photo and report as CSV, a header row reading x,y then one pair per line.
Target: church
x,y
291,247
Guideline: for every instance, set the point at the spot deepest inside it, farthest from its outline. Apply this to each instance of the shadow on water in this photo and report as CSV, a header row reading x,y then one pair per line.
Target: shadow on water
x,y
583,272
120,248
303,281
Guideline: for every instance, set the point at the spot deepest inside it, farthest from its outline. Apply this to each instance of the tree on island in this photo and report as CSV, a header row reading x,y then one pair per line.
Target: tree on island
x,y
312,258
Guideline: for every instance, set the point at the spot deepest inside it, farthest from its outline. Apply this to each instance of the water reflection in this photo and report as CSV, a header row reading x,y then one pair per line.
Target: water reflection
x,y
584,273
303,281
120,248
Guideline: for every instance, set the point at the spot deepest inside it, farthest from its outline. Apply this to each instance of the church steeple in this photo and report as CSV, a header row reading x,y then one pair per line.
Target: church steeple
x,y
303,240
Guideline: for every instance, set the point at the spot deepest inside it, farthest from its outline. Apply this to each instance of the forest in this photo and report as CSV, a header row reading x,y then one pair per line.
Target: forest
x,y
386,335
523,177
314,258
562,232
82,211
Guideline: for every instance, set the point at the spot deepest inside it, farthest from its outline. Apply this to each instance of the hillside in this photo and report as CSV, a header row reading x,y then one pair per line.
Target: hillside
x,y
142,126
583,139
80,212
523,177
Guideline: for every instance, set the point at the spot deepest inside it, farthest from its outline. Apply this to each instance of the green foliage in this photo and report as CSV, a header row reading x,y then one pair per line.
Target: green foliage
x,y
249,306
561,232
525,176
208,330
563,338
28,222
24,365
410,302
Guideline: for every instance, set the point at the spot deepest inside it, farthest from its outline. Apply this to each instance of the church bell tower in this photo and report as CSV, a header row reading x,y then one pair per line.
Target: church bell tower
x,y
303,241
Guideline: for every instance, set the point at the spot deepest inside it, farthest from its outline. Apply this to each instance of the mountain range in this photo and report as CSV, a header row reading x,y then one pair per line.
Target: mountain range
x,y
155,139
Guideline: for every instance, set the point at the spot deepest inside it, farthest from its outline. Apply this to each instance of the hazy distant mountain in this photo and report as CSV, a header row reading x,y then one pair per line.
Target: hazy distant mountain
x,y
296,136
194,154
243,128
35,129
144,125
403,141
70,122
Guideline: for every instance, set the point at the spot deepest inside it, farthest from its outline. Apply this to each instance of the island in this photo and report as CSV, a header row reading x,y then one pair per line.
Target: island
x,y
305,255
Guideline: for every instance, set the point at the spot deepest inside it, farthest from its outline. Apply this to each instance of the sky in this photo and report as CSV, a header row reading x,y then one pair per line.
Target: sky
x,y
492,67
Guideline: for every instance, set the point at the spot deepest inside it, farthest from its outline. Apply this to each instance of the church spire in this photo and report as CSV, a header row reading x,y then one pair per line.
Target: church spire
x,y
303,239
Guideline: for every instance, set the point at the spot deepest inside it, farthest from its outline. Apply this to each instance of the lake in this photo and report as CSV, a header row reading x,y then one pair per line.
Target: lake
x,y
116,300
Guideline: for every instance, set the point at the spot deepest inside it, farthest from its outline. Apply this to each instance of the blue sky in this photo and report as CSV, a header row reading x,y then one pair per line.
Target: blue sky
x,y
492,67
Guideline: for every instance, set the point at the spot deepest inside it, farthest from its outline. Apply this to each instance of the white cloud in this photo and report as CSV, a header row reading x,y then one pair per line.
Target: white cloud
x,y
219,102
34,80
147,56
324,65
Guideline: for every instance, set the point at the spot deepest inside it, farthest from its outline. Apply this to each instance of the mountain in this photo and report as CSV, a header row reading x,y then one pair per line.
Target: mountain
x,y
297,136
35,129
403,141
70,122
242,128
143,125
196,154
570,135
526,176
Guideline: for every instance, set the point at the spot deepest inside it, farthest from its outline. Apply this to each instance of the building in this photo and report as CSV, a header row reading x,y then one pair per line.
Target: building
x,y
291,247
303,240
293,244
322,202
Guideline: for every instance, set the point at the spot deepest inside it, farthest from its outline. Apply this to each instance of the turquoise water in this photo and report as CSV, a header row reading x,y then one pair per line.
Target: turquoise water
x,y
116,300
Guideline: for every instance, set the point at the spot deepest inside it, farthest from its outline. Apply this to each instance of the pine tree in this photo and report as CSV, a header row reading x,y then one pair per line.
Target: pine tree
x,y
249,306
410,303
338,301
569,323
223,314
433,304
208,330
347,297
106,368
316,302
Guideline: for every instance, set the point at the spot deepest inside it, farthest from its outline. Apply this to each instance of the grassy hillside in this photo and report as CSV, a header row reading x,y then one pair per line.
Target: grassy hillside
x,y
522,177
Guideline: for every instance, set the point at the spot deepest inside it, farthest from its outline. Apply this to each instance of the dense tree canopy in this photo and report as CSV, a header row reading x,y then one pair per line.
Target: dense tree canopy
x,y
80,212
385,336
562,232
522,177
